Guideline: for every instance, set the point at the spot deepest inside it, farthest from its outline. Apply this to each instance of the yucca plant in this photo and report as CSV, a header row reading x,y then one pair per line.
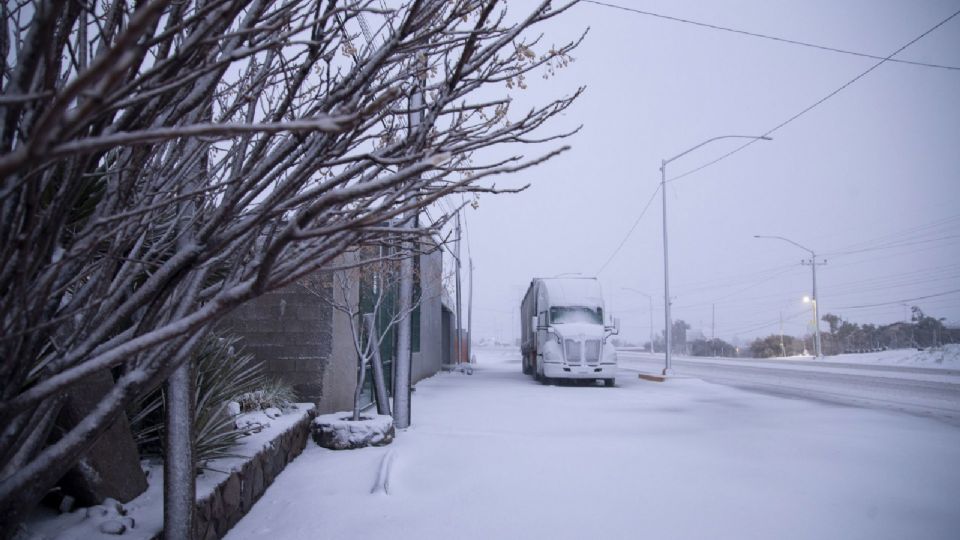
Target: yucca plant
x,y
272,393
222,375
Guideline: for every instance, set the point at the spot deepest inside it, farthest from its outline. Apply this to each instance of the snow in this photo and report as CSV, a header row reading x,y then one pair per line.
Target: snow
x,y
145,512
947,357
497,455
573,292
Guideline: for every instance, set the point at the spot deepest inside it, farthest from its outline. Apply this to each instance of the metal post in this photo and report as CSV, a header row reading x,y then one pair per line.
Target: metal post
x,y
470,314
179,471
650,300
783,348
459,310
816,307
667,331
403,369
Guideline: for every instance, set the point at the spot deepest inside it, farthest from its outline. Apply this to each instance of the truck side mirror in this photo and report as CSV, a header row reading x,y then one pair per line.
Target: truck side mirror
x,y
614,329
533,324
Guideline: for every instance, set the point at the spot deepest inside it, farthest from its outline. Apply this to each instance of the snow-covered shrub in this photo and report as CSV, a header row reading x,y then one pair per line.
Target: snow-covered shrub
x,y
222,374
273,393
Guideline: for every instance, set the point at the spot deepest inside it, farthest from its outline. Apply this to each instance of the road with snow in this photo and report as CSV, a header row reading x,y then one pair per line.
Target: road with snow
x,y
925,391
498,455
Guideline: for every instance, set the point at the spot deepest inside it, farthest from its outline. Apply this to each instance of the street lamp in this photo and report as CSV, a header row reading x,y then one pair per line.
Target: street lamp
x,y
650,299
667,333
807,299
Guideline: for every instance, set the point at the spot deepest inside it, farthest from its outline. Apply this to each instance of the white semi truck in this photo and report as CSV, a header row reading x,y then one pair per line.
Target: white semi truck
x,y
563,335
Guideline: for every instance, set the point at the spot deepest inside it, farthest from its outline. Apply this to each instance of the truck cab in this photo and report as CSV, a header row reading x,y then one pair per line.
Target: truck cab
x,y
563,334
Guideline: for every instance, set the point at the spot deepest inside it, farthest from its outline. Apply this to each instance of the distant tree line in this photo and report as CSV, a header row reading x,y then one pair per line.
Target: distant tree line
x,y
922,331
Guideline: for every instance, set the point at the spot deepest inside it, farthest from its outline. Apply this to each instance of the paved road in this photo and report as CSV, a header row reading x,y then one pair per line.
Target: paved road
x,y
916,390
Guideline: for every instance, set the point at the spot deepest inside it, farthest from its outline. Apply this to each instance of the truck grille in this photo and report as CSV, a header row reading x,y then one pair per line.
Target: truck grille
x,y
572,348
582,351
591,351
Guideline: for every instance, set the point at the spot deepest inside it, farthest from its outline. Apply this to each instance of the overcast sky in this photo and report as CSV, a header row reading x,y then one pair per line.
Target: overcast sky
x,y
877,166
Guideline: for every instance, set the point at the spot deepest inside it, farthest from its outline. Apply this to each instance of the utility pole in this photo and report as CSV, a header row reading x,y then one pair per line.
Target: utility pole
x,y
783,349
403,371
667,332
470,314
816,308
667,323
713,328
459,311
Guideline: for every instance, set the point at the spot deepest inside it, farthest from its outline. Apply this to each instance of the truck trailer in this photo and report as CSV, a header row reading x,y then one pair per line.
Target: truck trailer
x,y
563,335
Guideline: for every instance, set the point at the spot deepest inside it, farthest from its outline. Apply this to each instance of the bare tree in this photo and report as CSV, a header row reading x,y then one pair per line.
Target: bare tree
x,y
366,293
107,109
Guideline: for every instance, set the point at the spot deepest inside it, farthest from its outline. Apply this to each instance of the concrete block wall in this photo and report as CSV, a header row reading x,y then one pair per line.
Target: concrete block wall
x,y
303,340
291,332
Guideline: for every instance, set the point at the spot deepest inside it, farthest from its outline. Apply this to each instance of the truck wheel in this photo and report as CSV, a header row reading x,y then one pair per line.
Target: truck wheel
x,y
609,382
526,366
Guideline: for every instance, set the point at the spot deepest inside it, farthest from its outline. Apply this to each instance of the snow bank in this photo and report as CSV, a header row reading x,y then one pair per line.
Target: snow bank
x,y
947,357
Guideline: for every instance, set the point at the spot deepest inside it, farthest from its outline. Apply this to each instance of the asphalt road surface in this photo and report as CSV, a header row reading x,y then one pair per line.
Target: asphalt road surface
x,y
916,390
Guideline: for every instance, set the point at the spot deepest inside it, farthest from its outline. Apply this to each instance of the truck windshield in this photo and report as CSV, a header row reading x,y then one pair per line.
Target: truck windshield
x,y
570,314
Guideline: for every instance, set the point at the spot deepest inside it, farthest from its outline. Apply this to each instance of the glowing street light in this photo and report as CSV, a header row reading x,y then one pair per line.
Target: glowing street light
x,y
807,299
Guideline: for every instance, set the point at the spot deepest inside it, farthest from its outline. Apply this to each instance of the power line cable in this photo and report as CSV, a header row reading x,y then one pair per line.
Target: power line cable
x,y
767,36
945,293
635,223
818,102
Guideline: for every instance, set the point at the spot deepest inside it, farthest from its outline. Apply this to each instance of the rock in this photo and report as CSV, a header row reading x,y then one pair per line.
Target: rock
x,y
66,504
337,432
233,408
111,467
272,412
113,526
231,491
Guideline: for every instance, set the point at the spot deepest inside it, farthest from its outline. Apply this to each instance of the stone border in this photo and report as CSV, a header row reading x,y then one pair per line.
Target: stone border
x,y
233,498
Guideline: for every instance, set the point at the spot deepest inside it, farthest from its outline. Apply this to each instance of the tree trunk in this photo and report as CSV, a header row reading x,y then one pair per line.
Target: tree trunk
x,y
379,385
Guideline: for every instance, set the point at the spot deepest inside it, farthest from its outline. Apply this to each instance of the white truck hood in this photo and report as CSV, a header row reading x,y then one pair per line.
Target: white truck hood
x,y
579,330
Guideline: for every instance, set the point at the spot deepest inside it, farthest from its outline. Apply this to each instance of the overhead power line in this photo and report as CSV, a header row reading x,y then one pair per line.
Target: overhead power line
x,y
767,36
945,293
635,223
818,102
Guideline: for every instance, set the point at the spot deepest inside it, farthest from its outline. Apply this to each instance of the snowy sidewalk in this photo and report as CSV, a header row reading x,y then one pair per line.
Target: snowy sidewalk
x,y
496,455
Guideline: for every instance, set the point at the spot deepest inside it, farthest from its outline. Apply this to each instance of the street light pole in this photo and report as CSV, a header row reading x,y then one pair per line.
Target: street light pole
x,y
814,299
667,330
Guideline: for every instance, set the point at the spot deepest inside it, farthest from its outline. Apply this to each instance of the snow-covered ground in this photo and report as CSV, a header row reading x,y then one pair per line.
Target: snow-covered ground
x,y
497,455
